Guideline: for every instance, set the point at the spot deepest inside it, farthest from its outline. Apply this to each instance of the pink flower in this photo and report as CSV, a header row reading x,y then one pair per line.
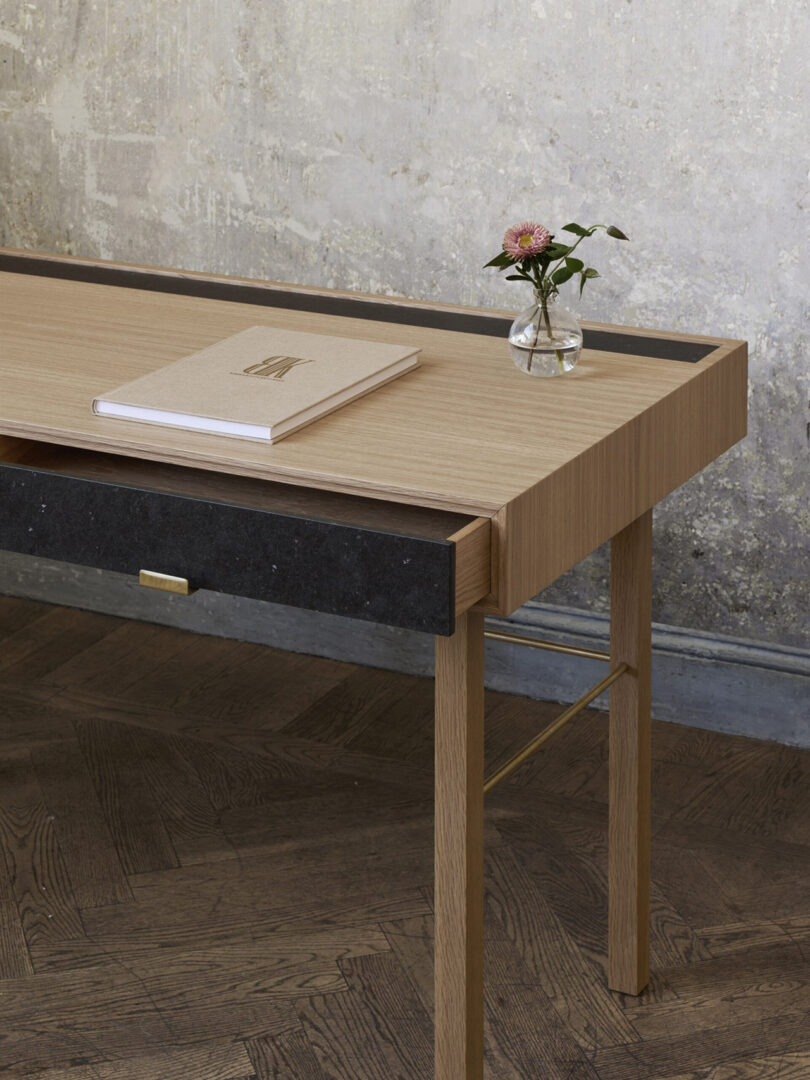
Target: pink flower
x,y
527,239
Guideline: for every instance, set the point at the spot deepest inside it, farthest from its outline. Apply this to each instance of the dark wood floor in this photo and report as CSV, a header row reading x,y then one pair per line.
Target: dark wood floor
x,y
216,864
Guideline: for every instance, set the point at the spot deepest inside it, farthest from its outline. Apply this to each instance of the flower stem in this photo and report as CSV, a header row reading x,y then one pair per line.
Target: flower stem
x,y
557,352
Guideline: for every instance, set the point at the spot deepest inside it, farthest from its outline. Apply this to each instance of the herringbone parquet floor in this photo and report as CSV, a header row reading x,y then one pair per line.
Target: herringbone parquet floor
x,y
216,864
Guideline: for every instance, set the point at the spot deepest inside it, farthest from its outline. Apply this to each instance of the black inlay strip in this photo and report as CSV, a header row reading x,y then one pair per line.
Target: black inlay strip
x,y
241,292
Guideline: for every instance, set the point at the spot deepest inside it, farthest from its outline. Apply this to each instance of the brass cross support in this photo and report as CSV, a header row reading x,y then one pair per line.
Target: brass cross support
x,y
553,728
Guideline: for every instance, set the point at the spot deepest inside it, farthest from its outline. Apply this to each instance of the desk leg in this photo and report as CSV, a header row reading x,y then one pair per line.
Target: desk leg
x,y
629,829
459,890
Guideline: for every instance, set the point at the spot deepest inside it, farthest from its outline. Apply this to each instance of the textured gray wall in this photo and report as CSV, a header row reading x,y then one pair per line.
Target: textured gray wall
x,y
385,146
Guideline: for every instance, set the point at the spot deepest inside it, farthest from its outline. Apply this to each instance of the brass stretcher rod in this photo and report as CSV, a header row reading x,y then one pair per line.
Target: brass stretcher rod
x,y
554,727
549,646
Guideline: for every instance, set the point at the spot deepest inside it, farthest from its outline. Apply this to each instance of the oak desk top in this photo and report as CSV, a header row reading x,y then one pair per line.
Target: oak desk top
x,y
559,464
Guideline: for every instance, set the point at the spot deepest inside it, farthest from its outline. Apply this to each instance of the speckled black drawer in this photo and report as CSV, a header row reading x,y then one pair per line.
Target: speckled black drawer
x,y
402,565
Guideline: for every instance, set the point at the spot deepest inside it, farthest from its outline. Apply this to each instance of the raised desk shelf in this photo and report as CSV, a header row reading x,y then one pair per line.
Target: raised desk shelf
x,y
407,566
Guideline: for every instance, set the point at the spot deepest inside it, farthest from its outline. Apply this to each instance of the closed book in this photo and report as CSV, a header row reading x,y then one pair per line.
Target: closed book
x,y
262,383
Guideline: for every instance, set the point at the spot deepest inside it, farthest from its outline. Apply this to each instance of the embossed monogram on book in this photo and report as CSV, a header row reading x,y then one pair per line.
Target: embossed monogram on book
x,y
275,366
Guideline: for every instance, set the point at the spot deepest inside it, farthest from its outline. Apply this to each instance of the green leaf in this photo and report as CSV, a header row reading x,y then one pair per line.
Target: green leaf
x,y
577,230
562,275
613,231
517,277
583,277
556,251
501,260
574,264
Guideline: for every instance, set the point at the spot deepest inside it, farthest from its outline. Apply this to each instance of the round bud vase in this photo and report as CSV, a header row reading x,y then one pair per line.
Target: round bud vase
x,y
546,338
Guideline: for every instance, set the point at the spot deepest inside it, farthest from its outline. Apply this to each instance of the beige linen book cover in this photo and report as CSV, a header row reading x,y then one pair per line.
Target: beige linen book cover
x,y
262,383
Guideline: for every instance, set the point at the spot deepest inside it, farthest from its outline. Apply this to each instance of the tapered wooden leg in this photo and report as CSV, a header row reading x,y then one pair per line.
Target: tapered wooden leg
x,y
459,898
629,829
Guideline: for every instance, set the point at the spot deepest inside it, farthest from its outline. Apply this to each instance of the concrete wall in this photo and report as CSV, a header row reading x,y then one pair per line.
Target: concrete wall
x,y
385,146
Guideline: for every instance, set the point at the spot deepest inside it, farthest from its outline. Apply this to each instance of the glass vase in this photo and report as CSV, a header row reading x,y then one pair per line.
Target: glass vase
x,y
546,338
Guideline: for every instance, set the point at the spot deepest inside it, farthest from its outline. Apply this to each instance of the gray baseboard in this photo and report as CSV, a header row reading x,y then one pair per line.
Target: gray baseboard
x,y
724,684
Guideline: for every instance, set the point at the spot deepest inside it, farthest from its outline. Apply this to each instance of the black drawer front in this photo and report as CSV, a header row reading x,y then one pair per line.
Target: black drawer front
x,y
340,569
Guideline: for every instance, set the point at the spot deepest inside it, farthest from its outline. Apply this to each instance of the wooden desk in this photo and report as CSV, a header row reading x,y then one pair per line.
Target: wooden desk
x,y
460,490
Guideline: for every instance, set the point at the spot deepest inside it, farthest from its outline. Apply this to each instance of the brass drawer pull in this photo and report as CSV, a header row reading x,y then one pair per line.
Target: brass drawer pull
x,y
165,582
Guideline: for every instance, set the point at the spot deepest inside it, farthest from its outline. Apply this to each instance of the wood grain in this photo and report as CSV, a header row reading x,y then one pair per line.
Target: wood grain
x,y
217,1061
16,612
524,1032
722,1050
473,563
36,868
551,957
376,1030
675,426
134,820
41,646
192,823
88,850
15,959
629,826
29,717
459,850
289,1053
342,714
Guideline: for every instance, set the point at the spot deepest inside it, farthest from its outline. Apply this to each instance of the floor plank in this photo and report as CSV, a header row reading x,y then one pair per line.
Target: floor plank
x,y
717,1049
111,753
215,1061
551,956
192,822
110,665
90,856
32,717
289,1053
17,612
339,717
36,869
44,644
376,1030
